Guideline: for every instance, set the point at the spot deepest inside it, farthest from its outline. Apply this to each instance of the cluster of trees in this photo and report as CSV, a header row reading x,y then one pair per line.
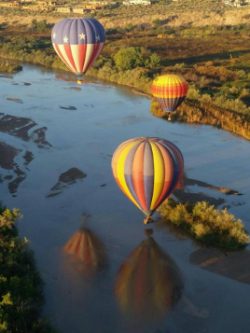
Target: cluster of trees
x,y
205,223
21,296
131,57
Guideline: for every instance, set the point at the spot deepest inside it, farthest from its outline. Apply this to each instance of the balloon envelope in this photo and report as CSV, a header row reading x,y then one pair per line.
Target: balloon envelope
x,y
147,170
148,283
78,42
170,91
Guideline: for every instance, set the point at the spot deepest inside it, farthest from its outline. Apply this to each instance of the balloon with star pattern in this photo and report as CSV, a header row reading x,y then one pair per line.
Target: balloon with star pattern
x,y
78,42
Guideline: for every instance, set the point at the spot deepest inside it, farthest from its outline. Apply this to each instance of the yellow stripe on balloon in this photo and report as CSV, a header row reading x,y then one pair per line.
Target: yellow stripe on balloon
x,y
119,167
159,174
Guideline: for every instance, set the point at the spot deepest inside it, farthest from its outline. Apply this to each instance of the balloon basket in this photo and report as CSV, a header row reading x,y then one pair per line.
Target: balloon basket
x,y
148,219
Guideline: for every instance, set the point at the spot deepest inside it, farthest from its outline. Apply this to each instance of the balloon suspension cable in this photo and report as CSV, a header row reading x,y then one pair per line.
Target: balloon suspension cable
x,y
148,232
148,219
79,79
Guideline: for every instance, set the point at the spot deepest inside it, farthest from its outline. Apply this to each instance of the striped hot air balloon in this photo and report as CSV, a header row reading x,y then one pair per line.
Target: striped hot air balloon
x,y
170,91
147,170
148,283
78,42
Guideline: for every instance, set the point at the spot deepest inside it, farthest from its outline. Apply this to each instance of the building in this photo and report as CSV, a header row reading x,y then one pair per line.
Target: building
x,y
237,3
137,2
63,10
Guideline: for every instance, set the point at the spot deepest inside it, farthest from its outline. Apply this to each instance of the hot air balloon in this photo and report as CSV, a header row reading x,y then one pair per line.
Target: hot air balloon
x,y
86,248
170,91
78,42
147,170
148,283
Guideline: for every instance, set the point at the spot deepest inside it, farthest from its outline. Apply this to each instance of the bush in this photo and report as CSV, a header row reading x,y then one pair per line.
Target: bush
x,y
153,61
206,223
128,58
20,284
39,26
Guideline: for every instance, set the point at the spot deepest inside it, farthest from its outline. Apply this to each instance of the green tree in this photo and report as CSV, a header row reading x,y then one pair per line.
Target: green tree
x,y
153,61
128,58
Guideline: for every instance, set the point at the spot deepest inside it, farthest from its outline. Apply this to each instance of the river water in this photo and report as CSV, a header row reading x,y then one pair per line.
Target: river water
x,y
57,140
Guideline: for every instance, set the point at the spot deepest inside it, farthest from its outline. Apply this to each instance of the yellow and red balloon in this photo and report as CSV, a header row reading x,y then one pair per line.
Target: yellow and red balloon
x,y
169,90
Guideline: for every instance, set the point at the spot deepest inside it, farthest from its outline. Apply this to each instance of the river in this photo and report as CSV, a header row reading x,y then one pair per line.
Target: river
x,y
57,139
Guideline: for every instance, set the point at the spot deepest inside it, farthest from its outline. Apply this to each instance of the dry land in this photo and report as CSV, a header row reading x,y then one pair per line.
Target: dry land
x,y
208,43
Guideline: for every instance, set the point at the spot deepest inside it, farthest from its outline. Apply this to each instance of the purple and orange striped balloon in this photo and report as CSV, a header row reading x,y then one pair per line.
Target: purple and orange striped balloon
x,y
147,170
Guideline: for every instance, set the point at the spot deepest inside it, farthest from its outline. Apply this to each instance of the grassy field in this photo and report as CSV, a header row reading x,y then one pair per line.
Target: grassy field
x,y
214,58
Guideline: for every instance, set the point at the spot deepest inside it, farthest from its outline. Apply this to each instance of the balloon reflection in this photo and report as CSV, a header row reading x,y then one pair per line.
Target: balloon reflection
x,y
86,250
148,283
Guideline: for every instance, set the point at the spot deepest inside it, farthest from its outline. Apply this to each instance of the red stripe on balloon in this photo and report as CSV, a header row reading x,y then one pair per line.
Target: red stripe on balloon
x,y
96,51
70,59
57,49
82,54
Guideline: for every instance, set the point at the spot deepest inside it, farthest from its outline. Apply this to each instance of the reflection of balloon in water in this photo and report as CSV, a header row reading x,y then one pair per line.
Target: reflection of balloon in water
x,y
86,248
147,170
78,42
148,283
170,91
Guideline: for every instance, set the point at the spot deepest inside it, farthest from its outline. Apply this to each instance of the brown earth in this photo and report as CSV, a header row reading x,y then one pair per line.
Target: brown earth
x,y
136,16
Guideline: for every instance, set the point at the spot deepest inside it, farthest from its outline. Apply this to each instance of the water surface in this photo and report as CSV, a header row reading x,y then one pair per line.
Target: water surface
x,y
57,139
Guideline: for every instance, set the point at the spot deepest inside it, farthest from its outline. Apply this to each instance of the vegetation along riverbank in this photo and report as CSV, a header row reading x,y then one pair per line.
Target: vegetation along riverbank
x,y
214,59
206,224
21,295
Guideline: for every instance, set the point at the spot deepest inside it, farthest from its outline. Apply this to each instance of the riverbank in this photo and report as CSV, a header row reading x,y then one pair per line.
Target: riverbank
x,y
219,93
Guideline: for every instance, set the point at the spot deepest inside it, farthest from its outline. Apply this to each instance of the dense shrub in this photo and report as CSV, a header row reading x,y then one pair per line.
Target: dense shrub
x,y
206,223
20,284
40,26
128,58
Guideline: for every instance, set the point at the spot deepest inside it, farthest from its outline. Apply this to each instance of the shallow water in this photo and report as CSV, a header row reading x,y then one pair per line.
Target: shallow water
x,y
57,125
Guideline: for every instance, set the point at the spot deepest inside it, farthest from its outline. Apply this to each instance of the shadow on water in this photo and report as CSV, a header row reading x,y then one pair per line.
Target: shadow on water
x,y
86,252
148,283
234,265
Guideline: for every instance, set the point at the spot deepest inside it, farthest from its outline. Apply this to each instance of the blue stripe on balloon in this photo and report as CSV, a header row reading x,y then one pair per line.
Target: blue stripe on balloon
x,y
128,171
75,29
170,104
